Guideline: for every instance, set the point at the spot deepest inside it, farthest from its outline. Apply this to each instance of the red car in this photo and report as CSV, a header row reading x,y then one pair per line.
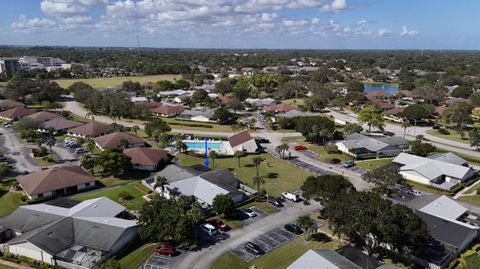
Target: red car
x,y
300,147
166,249
219,225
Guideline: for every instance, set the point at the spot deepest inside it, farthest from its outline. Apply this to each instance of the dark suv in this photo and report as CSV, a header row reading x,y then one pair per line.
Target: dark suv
x,y
273,201
294,229
253,249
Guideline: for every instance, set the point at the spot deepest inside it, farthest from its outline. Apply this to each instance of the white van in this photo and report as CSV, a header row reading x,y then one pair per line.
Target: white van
x,y
290,196
208,229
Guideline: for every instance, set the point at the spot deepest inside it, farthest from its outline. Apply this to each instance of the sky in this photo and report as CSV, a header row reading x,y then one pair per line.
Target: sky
x,y
277,24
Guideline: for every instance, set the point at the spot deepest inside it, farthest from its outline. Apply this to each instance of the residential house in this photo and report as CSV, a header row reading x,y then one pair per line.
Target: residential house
x,y
261,102
394,114
201,115
117,140
202,183
242,141
451,225
330,259
363,147
148,159
451,101
280,108
148,105
167,111
225,100
8,104
43,116
92,129
69,233
374,96
439,171
56,181
16,113
59,125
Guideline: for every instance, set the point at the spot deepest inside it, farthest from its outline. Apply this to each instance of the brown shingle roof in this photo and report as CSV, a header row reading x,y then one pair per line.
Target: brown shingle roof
x,y
239,138
42,116
145,156
92,129
452,101
281,108
168,109
55,178
148,104
383,105
224,100
395,111
60,124
115,139
16,113
4,104
376,95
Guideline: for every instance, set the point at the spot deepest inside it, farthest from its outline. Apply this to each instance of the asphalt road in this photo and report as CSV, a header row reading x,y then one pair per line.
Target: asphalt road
x,y
15,149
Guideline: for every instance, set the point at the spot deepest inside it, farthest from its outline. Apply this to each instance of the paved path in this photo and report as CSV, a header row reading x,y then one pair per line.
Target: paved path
x,y
17,151
204,258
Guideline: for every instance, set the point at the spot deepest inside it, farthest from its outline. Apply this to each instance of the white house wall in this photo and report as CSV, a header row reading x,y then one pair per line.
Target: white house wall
x,y
414,176
29,250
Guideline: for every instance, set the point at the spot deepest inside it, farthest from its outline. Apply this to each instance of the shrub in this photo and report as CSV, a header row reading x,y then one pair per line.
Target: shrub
x,y
443,131
124,195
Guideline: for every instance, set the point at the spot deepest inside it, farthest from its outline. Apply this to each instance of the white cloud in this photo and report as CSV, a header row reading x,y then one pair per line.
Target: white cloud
x,y
334,6
406,32
315,21
68,7
294,23
24,24
383,32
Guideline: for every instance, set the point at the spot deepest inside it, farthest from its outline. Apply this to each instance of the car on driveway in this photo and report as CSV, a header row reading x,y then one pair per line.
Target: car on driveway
x,y
274,201
334,161
79,151
208,229
219,224
349,163
387,133
253,249
300,147
291,196
165,249
249,212
294,229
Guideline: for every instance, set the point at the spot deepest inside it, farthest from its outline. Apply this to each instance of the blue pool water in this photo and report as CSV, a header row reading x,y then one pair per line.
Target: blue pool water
x,y
201,145
387,87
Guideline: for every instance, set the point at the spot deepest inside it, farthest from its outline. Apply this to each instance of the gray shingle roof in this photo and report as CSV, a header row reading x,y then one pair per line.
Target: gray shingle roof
x,y
322,258
448,157
176,172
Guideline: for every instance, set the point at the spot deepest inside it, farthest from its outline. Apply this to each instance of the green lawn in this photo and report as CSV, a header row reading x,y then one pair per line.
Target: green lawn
x,y
279,258
374,164
2,266
474,200
286,131
452,136
135,258
135,190
115,81
295,102
279,175
9,201
289,139
267,208
127,177
180,125
325,156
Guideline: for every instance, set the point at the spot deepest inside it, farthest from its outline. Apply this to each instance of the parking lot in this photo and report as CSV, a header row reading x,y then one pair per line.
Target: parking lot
x,y
308,167
266,242
158,261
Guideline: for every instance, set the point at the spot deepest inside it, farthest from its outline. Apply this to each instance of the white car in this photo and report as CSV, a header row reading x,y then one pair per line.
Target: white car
x,y
291,196
249,212
79,151
208,229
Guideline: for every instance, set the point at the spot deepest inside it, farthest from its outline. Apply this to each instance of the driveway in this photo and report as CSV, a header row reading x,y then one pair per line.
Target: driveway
x,y
16,150
203,258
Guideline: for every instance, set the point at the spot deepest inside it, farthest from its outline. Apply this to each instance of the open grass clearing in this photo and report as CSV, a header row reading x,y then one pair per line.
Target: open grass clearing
x,y
137,257
279,175
373,164
9,200
323,152
127,177
115,81
181,124
292,139
454,136
135,192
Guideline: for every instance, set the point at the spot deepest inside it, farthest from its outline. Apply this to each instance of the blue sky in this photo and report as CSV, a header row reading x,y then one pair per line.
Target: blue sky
x,y
304,24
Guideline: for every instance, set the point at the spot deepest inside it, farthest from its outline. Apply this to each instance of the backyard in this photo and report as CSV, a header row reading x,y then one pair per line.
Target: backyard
x,y
115,81
373,164
279,175
129,195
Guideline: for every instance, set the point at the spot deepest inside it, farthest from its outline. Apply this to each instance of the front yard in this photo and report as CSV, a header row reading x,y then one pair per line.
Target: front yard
x,y
279,175
373,164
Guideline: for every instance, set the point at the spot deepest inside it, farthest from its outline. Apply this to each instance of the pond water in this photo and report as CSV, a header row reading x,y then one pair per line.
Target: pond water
x,y
387,87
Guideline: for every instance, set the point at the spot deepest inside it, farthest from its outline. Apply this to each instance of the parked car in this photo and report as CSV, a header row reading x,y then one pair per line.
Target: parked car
x,y
273,201
165,249
387,133
294,229
253,249
72,145
414,192
208,229
7,125
300,147
334,161
291,196
263,141
349,163
436,127
219,225
249,212
79,151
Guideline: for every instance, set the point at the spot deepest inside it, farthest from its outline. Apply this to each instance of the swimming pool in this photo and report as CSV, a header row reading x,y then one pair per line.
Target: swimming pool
x,y
200,145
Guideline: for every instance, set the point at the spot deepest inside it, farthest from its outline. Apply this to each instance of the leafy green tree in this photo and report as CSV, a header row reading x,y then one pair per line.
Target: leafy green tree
x,y
429,94
163,85
352,128
222,115
325,188
474,136
460,114
88,162
224,86
307,224
180,146
420,148
258,180
355,86
405,125
280,149
315,103
462,92
156,125
50,143
290,89
113,161
418,111
200,97
26,124
224,205
182,84
384,177
372,117
239,154
89,144
314,128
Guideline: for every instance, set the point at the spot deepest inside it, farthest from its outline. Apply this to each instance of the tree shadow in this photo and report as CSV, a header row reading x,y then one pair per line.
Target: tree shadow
x,y
320,237
272,175
249,165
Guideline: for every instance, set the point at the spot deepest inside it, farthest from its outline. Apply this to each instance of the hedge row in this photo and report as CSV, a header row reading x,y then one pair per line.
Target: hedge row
x,y
22,259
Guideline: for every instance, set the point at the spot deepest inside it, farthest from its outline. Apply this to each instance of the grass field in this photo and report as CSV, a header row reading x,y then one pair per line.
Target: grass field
x,y
9,201
289,139
279,175
135,258
115,81
325,156
374,164
452,136
295,102
135,190
2,266
215,127
281,257
129,176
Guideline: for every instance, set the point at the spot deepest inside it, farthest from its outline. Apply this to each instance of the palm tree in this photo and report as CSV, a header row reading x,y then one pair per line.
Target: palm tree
x,y
89,144
258,180
235,127
50,144
307,224
124,144
238,154
91,114
160,182
213,155
251,123
135,129
280,149
405,125
256,162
